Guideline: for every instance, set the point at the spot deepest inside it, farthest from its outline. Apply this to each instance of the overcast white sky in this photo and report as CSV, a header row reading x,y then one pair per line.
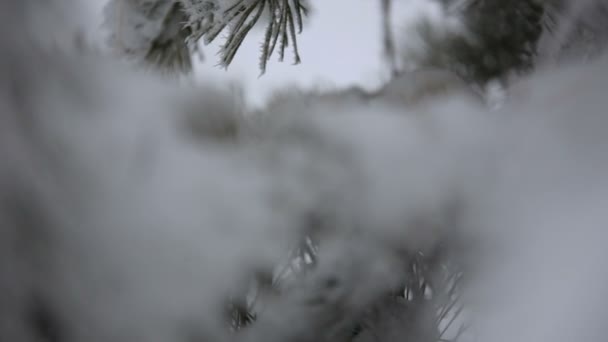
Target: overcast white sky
x,y
339,47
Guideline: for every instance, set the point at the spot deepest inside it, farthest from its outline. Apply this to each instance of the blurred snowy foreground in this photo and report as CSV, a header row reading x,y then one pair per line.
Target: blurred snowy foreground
x,y
131,208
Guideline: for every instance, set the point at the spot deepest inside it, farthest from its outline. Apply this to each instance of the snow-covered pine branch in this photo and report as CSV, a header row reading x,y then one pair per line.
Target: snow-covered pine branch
x,y
164,32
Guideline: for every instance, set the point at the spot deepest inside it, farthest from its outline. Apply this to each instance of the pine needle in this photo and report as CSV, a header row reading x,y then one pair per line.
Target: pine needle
x,y
239,33
292,32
